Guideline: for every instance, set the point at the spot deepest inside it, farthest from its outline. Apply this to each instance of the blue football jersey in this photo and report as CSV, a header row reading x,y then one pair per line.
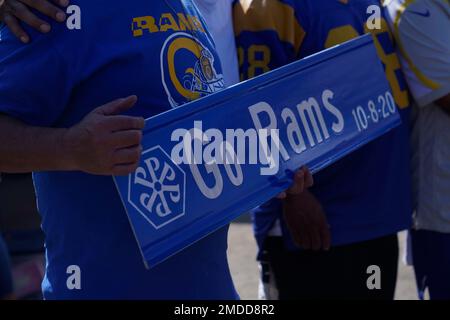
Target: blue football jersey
x,y
157,50
367,194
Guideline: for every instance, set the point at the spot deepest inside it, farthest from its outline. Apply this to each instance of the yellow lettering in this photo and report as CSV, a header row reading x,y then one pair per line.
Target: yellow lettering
x,y
183,22
258,58
167,22
143,23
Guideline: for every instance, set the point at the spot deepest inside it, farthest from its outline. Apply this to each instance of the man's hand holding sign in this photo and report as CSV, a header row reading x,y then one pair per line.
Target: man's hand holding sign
x,y
107,143
200,166
302,180
307,222
209,161
103,143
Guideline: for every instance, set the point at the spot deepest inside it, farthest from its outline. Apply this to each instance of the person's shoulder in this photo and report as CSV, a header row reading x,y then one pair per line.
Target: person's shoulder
x,y
422,11
66,40
427,21
10,43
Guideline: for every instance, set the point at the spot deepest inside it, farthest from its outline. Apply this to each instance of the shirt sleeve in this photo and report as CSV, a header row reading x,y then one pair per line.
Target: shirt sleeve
x,y
35,79
422,33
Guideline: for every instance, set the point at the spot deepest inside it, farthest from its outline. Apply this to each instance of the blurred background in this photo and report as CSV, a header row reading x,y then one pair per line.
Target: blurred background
x,y
20,228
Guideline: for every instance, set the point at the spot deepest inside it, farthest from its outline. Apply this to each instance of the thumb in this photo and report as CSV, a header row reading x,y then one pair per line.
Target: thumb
x,y
298,184
118,106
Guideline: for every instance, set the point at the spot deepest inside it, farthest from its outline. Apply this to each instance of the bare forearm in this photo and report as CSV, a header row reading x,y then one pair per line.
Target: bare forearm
x,y
102,143
25,148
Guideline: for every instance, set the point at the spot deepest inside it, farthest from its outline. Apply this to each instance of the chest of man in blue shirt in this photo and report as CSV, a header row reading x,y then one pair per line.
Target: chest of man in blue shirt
x,y
123,48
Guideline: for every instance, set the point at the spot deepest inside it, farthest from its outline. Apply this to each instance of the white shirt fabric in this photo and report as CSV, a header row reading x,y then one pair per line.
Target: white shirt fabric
x,y
218,17
422,31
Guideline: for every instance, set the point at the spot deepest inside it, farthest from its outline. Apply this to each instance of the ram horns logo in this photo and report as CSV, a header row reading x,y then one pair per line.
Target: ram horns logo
x,y
188,69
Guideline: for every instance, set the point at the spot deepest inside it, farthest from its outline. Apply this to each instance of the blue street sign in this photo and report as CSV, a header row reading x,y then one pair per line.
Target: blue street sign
x,y
211,160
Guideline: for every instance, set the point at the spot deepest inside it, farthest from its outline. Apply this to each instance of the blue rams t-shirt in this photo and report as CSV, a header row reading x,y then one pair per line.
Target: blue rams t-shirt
x,y
367,194
158,50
